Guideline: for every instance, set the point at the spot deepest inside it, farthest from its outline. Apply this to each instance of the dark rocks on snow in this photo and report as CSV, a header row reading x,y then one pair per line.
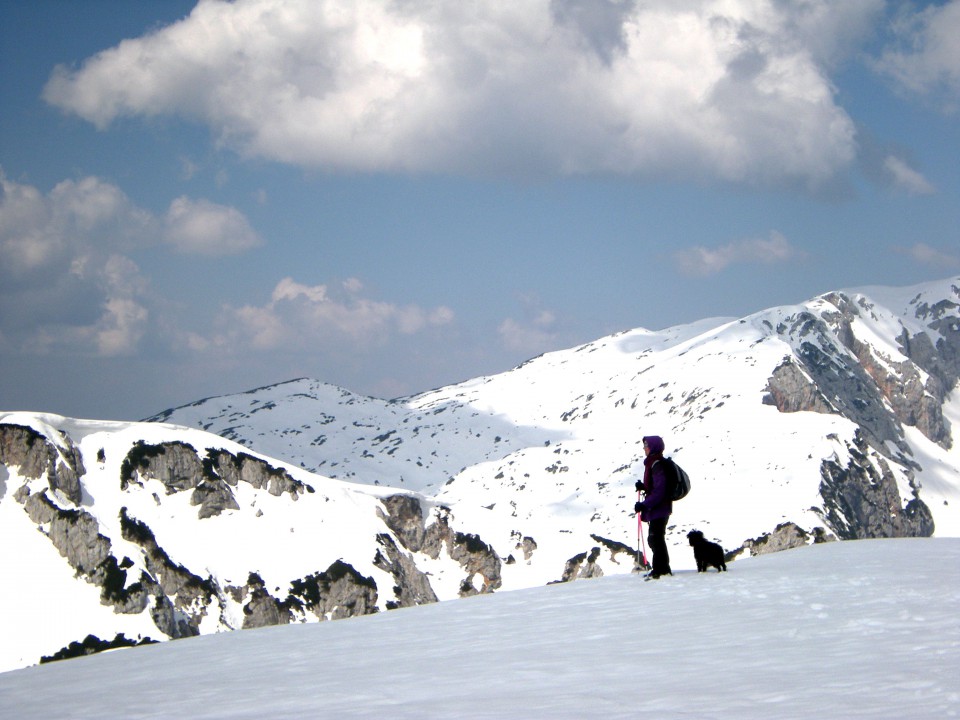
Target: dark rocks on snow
x,y
785,536
24,447
405,518
178,466
338,592
412,585
861,501
582,566
92,644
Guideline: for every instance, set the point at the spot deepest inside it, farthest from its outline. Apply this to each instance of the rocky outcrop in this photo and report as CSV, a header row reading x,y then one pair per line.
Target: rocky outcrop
x,y
411,585
832,371
861,500
785,536
482,564
792,390
526,546
74,533
582,566
36,457
585,565
940,358
234,469
260,608
335,593
178,466
338,592
852,393
479,560
189,596
175,464
404,517
915,401
91,644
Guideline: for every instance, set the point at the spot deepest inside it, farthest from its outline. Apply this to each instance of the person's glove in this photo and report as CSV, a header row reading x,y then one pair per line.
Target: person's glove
x,y
638,507
639,485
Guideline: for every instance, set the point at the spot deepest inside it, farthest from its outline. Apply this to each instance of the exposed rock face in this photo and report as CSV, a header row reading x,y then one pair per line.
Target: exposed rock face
x,y
832,371
175,464
582,566
862,502
404,517
92,644
784,537
585,565
24,447
242,467
189,596
178,466
878,393
480,561
74,533
412,586
820,370
260,608
338,592
525,545
941,358
914,403
792,390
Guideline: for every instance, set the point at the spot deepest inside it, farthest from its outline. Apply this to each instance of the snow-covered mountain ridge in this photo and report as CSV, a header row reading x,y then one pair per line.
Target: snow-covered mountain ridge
x,y
302,501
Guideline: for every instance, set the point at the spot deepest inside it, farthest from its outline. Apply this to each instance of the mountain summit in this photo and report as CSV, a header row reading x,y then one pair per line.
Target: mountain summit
x,y
833,419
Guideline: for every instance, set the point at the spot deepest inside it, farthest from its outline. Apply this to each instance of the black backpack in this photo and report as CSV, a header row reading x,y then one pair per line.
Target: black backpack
x,y
679,483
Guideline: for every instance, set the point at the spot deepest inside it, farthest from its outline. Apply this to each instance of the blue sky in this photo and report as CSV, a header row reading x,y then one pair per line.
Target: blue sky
x,y
200,199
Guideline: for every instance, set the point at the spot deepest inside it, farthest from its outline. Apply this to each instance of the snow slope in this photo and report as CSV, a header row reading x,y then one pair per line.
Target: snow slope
x,y
526,477
562,431
855,629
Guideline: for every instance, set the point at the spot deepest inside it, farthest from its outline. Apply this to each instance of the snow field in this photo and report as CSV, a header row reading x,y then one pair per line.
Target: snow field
x,y
861,629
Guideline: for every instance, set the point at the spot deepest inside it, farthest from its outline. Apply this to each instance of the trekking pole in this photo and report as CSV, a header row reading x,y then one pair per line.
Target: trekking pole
x,y
640,541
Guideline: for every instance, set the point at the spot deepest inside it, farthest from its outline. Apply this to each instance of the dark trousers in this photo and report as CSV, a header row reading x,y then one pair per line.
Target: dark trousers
x,y
657,537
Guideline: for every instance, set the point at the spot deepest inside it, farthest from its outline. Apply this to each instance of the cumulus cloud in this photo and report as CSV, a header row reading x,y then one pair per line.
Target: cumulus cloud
x,y
926,255
536,331
903,176
40,235
205,228
302,317
926,59
732,89
703,261
67,279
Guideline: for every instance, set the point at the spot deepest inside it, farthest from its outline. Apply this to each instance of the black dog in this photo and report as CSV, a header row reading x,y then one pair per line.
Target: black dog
x,y
706,553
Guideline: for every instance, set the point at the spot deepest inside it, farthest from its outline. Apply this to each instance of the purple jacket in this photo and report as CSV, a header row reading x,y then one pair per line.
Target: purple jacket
x,y
657,503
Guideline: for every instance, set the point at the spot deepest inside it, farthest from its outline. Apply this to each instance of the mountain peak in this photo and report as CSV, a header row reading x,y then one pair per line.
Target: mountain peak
x,y
301,501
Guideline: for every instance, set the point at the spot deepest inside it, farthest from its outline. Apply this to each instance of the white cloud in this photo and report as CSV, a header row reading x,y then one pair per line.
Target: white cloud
x,y
703,261
118,322
927,255
313,318
205,228
536,333
906,178
68,282
927,61
729,89
43,234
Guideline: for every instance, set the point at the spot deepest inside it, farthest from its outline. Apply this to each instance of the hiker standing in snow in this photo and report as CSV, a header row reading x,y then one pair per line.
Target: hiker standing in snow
x,y
656,506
